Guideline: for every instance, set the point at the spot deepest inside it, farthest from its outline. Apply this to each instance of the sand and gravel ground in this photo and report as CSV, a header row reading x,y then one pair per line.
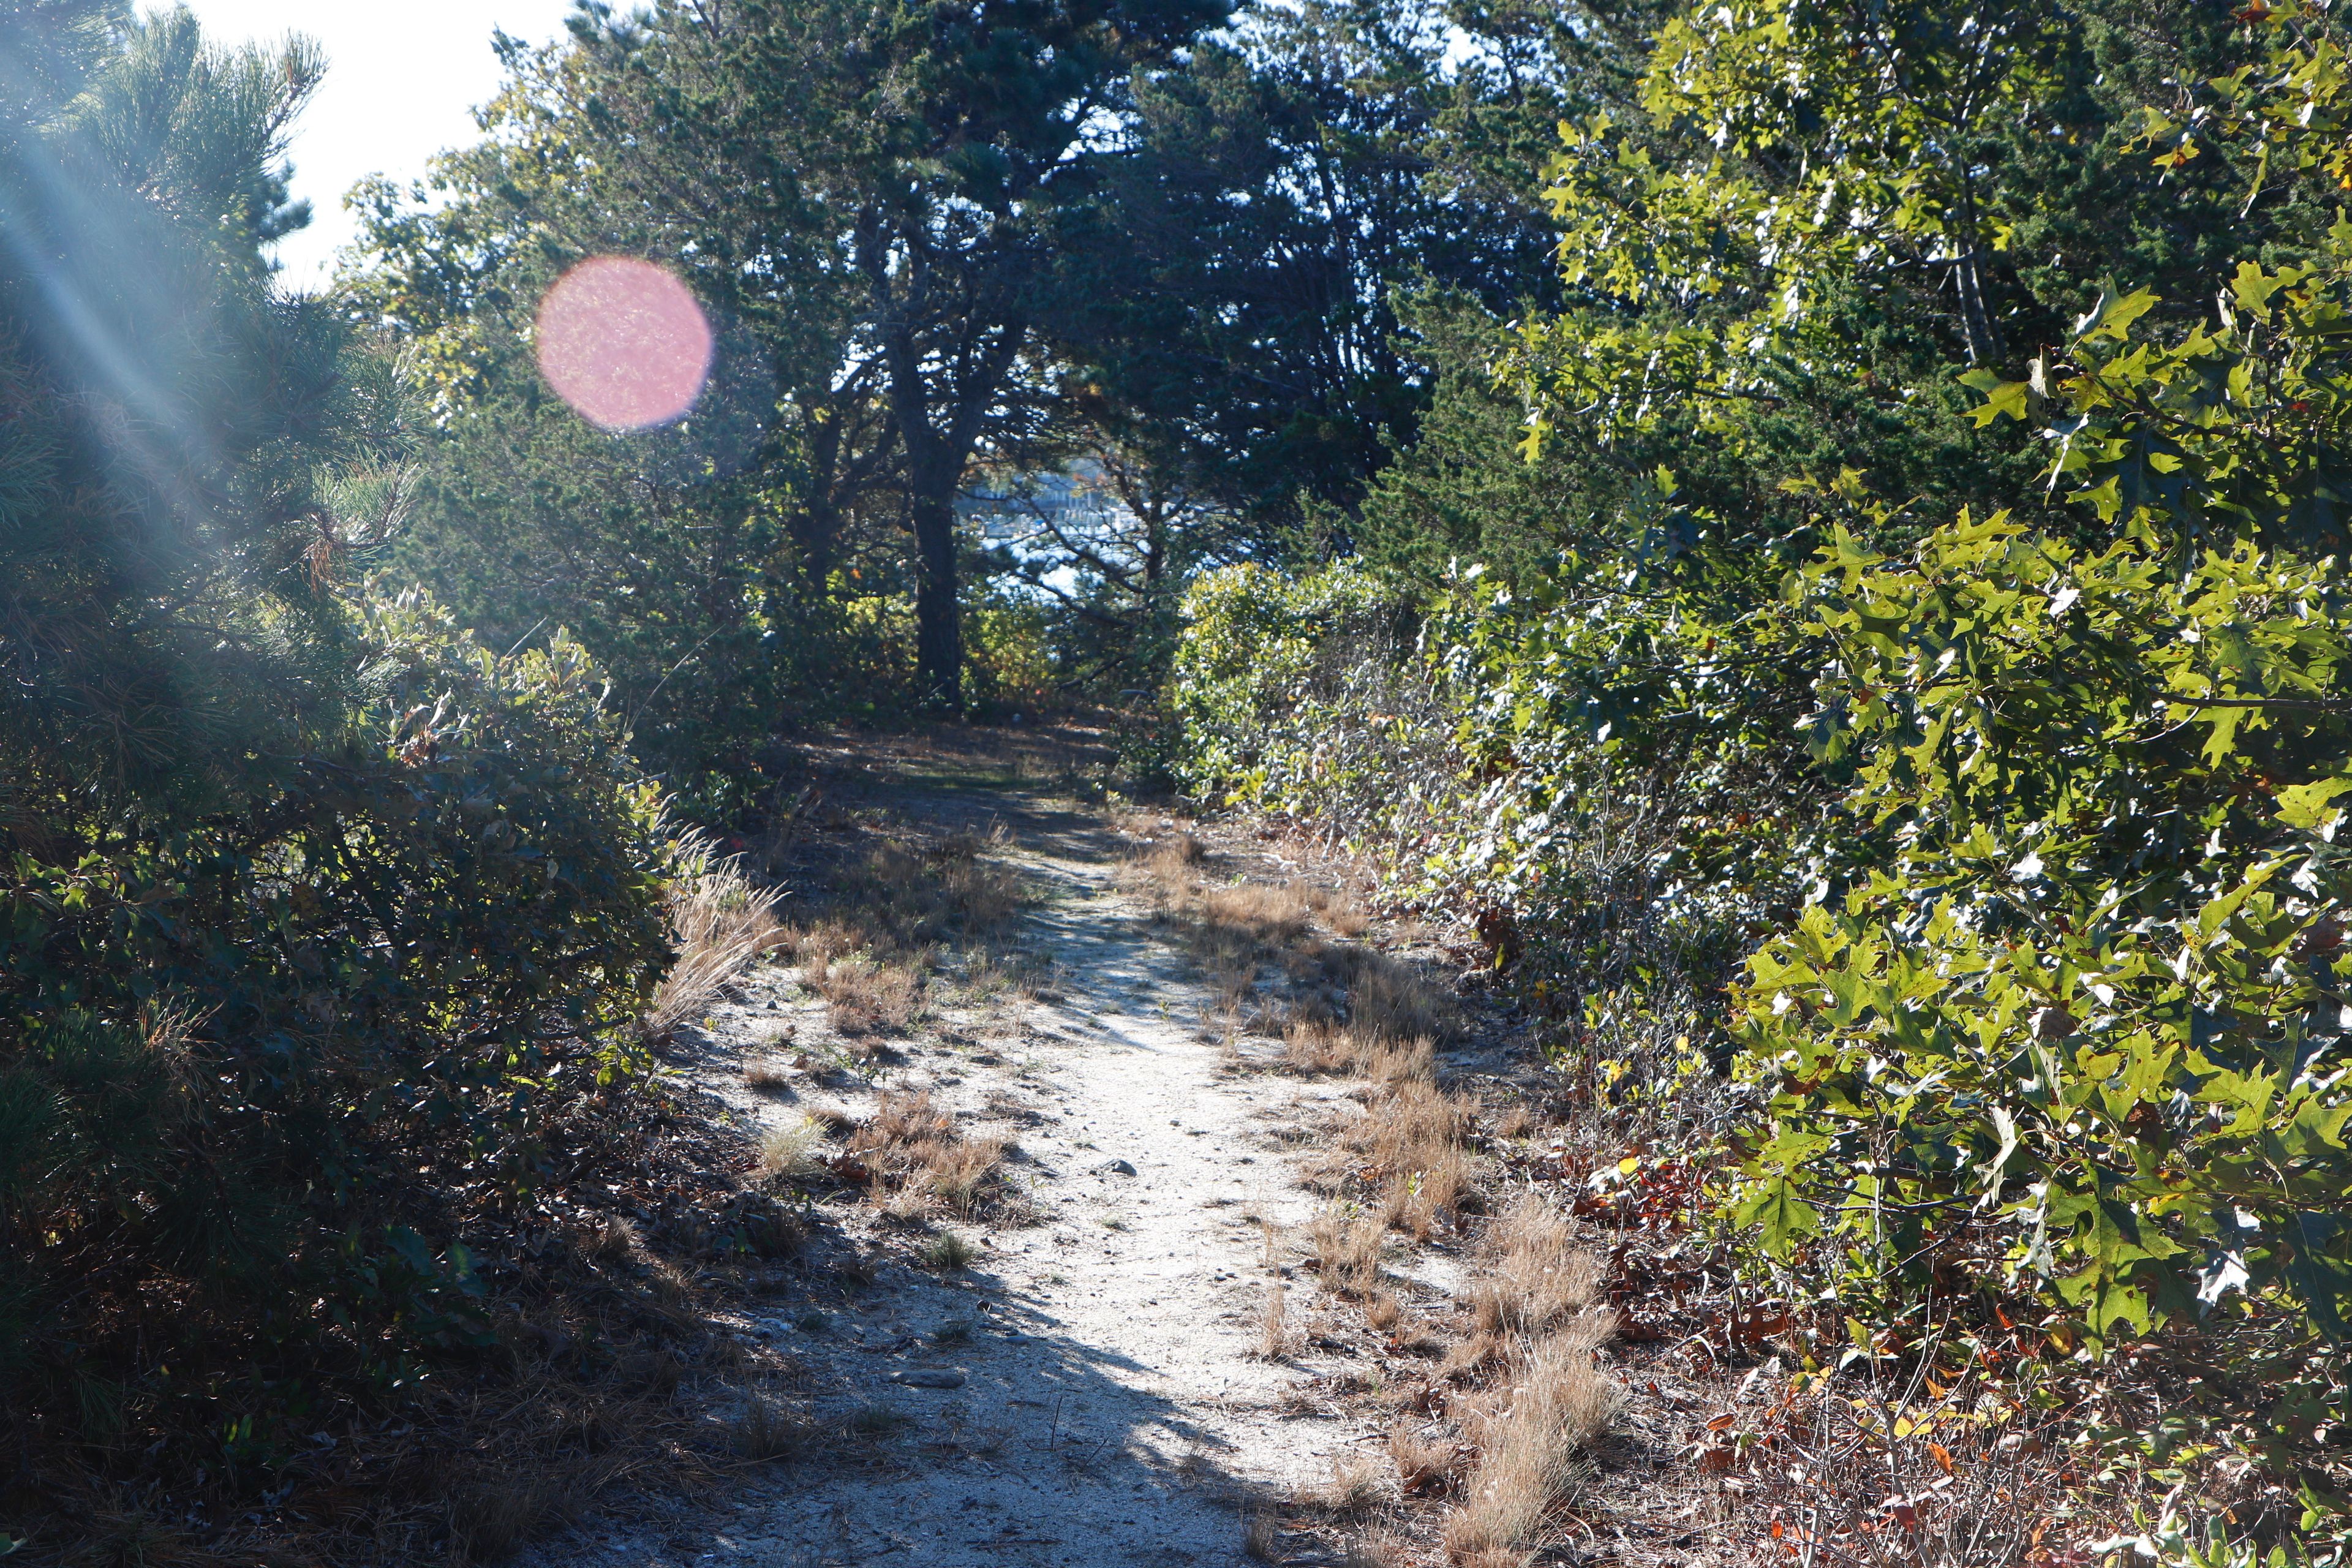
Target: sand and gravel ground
x,y
1088,1389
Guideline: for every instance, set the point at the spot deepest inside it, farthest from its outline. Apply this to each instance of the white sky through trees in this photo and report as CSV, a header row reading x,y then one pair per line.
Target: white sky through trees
x,y
401,83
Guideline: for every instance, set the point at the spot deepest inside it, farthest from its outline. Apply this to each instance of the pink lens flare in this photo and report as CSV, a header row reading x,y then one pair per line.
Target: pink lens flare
x,y
625,343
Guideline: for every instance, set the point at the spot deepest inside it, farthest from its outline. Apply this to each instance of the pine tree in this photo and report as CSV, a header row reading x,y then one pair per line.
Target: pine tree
x,y
294,884
165,521
937,147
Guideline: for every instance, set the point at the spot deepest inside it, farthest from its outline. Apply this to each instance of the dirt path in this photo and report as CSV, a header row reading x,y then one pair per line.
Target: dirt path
x,y
1065,1178
1089,1389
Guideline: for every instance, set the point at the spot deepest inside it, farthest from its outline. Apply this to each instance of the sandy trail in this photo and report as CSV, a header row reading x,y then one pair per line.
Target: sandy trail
x,y
1086,1391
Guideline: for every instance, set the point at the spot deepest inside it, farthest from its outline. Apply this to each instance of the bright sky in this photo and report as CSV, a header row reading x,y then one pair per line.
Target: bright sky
x,y
403,82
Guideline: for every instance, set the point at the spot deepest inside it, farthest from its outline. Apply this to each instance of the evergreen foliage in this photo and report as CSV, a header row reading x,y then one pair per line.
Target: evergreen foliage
x,y
301,894
935,150
733,572
1208,318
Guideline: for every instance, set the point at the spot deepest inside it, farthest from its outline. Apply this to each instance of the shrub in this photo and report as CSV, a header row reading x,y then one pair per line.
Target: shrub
x,y
2083,1025
243,1057
1009,660
1555,766
2005,856
1275,683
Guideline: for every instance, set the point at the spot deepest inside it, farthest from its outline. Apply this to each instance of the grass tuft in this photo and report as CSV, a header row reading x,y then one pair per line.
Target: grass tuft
x,y
1424,1464
791,1152
1534,1278
767,1429
722,922
1261,1536
1347,1252
865,995
1276,1341
1357,1486
948,1252
1558,1402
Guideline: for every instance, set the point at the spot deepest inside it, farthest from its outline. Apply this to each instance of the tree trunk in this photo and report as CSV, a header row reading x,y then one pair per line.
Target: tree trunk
x,y
816,524
1978,330
939,624
812,530
1154,514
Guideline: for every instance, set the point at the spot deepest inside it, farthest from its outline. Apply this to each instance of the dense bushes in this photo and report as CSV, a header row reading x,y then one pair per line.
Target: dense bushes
x,y
2085,996
239,1046
1545,758
2040,908
1993,855
1273,682
312,910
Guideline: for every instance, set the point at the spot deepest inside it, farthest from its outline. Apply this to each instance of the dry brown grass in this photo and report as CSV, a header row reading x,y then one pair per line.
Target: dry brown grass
x,y
1434,1194
963,1171
1261,1537
1357,1485
1389,1002
1347,1252
767,1429
1177,855
1032,976
1556,1402
1334,905
901,1121
920,1161
1165,866
1426,1464
1315,1044
1536,1397
1277,916
885,916
1406,1152
1342,1007
813,947
1275,1339
1397,1062
1407,1123
866,997
1310,1045
792,1151
490,1521
579,1395
1392,1017
1536,1325
926,893
1533,1279
722,922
